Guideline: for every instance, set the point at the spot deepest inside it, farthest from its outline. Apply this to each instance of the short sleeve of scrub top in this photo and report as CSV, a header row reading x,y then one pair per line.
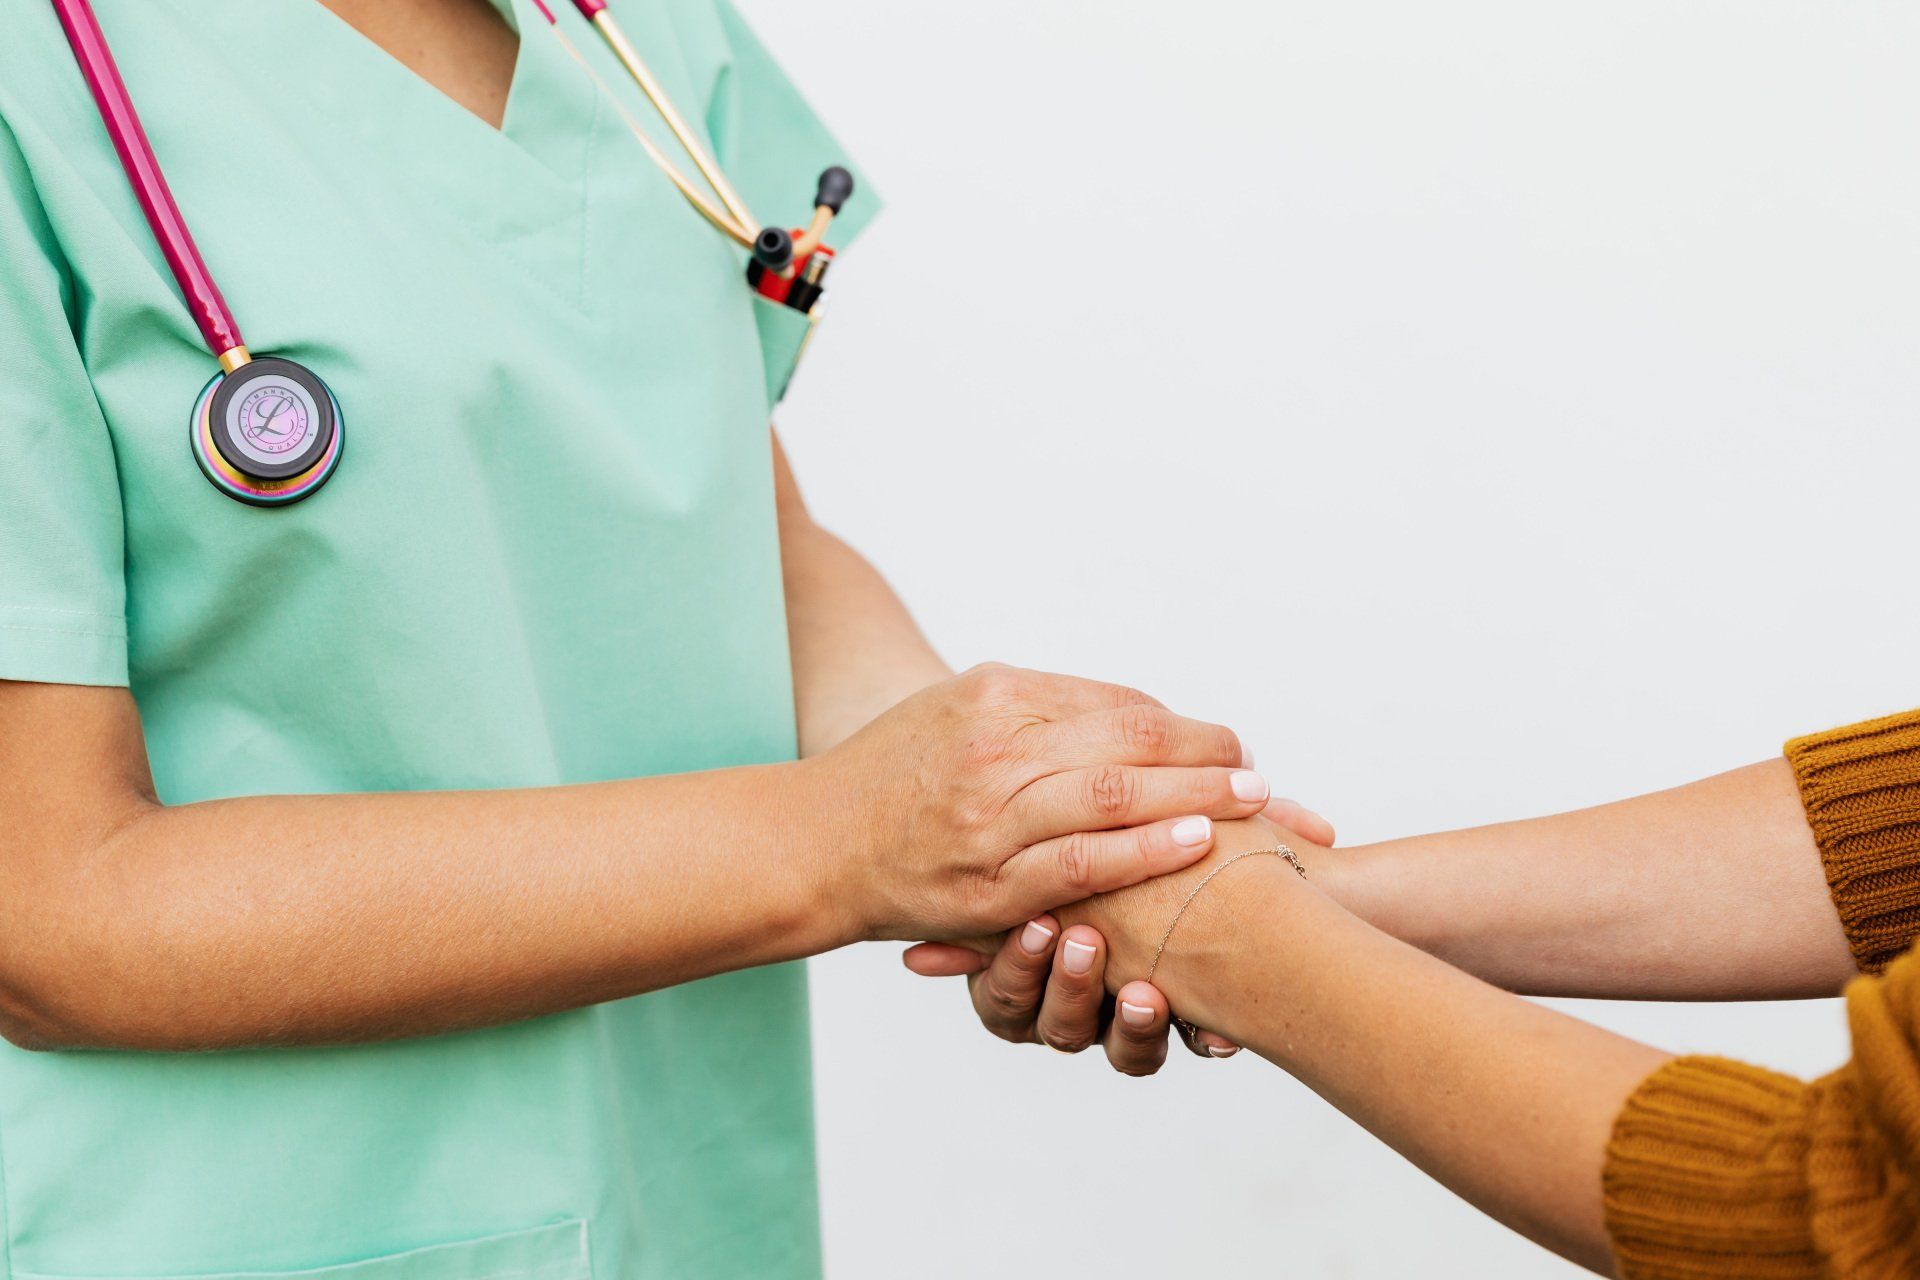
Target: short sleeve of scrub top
x,y
769,161
62,590
765,135
549,556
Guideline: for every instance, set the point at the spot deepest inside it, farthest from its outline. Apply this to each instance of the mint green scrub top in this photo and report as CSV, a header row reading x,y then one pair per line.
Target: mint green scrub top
x,y
549,556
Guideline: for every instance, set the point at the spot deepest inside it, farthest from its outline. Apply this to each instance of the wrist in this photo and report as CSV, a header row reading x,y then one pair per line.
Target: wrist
x,y
831,848
1196,967
1217,967
1382,884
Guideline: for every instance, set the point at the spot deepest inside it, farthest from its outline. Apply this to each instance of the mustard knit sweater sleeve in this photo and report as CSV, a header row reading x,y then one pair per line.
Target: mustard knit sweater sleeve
x,y
1718,1169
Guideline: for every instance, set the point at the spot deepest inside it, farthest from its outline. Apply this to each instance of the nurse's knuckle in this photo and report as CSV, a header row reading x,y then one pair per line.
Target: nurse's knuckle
x,y
1146,731
981,890
985,750
1224,747
1076,864
978,810
1111,792
993,685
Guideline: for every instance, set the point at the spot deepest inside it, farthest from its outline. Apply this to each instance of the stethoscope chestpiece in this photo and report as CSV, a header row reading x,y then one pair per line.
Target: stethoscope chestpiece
x,y
268,433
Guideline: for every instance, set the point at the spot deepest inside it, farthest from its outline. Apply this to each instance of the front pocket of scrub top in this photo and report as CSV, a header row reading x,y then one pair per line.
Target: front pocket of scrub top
x,y
783,337
555,1252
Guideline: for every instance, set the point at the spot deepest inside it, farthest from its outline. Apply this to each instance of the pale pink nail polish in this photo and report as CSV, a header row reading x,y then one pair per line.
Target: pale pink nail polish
x,y
1215,1051
1192,832
1249,786
1076,958
1136,1015
1035,937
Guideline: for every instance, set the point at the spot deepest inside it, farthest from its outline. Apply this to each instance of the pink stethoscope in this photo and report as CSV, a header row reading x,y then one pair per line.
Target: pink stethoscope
x,y
266,430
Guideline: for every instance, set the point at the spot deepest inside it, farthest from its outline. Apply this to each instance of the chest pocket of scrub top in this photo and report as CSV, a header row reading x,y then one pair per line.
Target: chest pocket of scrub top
x,y
554,1252
783,339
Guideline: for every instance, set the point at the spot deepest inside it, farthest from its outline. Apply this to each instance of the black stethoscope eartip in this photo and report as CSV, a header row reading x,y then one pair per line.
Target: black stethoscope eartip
x,y
773,248
836,188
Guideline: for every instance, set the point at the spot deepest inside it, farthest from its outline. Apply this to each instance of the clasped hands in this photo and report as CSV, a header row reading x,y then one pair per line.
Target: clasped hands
x,y
1001,813
1076,976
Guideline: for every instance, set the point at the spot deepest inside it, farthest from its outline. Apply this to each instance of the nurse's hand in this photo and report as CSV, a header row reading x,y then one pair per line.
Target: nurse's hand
x,y
992,797
1040,985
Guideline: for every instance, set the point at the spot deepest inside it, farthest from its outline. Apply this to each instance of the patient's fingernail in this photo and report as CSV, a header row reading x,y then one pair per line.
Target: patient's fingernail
x,y
1137,1015
1219,1051
1192,832
1246,756
1249,786
1076,958
1035,937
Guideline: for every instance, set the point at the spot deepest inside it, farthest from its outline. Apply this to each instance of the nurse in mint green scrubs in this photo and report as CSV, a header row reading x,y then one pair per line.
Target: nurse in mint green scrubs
x,y
404,884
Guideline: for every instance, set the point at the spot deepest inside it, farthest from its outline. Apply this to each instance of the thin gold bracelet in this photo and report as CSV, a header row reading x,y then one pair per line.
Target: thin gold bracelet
x,y
1278,851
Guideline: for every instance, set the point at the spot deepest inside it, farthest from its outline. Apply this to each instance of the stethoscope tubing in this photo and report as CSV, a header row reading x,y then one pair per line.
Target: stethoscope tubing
x,y
210,311
596,12
731,216
721,219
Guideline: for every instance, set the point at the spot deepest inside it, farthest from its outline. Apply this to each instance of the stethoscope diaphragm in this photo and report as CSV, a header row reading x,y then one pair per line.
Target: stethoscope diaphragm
x,y
272,419
268,433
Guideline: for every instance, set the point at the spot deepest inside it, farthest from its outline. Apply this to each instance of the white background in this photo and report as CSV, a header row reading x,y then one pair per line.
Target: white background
x,y
1487,408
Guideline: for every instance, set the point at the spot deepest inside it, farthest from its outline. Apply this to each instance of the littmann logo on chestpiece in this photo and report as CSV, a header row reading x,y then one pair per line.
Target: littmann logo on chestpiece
x,y
271,419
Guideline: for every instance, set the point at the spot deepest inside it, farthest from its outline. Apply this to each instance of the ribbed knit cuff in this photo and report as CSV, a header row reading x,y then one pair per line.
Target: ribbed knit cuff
x,y
1861,787
1704,1180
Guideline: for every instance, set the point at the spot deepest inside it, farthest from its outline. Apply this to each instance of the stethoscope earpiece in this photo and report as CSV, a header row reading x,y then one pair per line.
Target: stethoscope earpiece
x,y
773,248
836,188
268,433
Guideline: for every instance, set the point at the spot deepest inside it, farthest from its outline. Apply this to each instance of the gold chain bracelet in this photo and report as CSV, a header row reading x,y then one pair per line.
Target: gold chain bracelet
x,y
1278,851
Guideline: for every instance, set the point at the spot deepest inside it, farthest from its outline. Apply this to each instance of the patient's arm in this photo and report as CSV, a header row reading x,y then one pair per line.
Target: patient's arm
x,y
1508,1104
1712,891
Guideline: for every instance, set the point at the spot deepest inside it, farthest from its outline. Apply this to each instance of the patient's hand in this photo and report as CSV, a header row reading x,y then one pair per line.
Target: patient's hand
x,y
1206,934
1057,982
1134,921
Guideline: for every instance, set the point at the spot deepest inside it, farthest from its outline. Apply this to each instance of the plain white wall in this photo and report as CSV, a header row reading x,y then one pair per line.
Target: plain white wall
x,y
1488,408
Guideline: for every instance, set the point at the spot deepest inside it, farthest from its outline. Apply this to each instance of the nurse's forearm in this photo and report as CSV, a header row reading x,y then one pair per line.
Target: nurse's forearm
x,y
974,805
293,919
1708,891
856,650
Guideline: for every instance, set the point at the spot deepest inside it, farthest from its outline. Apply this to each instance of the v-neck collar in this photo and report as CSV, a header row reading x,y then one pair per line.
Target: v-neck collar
x,y
521,191
505,179
355,82
509,13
